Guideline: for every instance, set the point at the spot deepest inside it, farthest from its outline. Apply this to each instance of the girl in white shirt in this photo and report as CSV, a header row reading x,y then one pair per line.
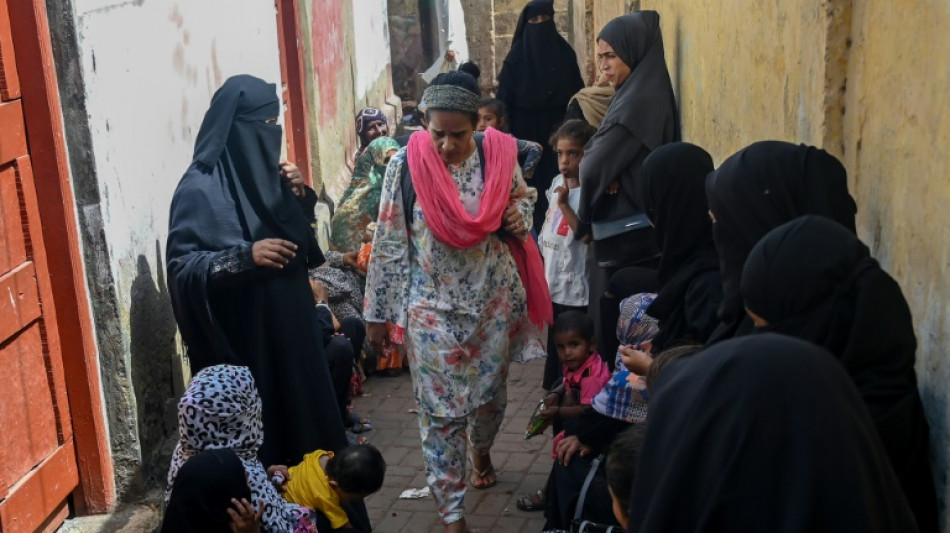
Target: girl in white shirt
x,y
565,259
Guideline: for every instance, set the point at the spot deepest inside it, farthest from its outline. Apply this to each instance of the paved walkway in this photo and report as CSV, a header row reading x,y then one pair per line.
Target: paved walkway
x,y
522,465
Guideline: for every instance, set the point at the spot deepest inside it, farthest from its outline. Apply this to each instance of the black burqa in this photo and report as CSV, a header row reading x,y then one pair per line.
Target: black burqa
x,y
758,189
672,183
231,311
202,493
537,80
763,433
813,279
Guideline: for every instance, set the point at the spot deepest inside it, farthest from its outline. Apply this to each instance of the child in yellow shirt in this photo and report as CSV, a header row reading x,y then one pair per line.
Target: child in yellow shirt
x,y
324,481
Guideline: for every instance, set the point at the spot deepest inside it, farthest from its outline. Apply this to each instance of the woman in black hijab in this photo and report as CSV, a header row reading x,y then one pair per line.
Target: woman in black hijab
x,y
672,183
813,279
763,433
206,486
239,246
640,119
537,80
757,189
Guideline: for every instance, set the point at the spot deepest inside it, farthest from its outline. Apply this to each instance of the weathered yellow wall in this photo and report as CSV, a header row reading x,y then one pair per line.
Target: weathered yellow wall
x,y
896,133
869,82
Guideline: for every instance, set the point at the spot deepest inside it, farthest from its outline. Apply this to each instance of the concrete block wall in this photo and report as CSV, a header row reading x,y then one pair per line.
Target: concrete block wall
x,y
866,81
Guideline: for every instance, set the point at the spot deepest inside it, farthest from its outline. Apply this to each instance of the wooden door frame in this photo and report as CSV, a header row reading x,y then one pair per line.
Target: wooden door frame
x,y
74,325
292,74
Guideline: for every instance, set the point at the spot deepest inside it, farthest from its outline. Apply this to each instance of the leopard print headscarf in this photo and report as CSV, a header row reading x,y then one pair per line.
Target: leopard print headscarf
x,y
222,409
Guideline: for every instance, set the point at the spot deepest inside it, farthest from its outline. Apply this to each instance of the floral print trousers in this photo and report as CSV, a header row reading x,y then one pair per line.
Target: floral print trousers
x,y
444,443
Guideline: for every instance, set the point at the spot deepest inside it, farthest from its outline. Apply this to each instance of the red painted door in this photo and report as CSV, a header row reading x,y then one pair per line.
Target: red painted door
x,y
38,468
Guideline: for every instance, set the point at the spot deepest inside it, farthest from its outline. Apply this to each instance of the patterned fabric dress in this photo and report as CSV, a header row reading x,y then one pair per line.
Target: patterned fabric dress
x,y
359,204
464,311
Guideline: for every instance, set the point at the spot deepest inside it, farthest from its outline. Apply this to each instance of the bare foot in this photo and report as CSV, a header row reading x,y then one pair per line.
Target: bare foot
x,y
456,527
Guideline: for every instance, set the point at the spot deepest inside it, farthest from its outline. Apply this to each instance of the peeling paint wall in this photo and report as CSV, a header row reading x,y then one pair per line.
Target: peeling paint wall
x,y
136,78
868,82
346,55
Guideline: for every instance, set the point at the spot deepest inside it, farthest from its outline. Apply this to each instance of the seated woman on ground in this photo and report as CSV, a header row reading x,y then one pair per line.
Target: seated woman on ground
x,y
232,421
735,443
211,495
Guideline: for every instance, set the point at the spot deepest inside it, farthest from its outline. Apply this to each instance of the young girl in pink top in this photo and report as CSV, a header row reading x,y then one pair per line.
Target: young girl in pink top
x,y
585,373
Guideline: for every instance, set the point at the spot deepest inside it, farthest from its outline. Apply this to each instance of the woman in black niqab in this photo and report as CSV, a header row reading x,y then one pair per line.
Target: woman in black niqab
x,y
202,494
757,189
229,308
672,183
813,279
763,433
537,80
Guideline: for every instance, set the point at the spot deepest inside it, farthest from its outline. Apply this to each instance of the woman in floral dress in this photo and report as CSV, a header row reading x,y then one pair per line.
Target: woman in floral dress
x,y
461,280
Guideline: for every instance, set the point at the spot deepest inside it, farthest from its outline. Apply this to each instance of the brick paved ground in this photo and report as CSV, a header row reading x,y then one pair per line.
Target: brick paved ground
x,y
522,465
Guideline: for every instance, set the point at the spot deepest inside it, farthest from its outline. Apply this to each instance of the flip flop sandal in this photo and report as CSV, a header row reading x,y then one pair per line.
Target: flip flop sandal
x,y
353,440
531,502
359,423
478,481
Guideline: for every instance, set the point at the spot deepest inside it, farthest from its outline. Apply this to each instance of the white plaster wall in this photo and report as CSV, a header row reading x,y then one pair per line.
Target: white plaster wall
x,y
150,69
370,44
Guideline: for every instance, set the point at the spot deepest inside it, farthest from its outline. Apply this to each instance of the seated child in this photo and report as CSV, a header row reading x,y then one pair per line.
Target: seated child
x,y
326,482
585,373
565,258
621,468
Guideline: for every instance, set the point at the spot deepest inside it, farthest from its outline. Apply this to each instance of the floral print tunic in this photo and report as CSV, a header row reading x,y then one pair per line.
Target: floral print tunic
x,y
464,311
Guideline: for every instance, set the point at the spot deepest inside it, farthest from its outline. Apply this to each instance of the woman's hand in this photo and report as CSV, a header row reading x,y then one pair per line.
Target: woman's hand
x,y
550,413
514,221
273,253
613,188
292,174
350,259
319,291
244,519
567,448
376,335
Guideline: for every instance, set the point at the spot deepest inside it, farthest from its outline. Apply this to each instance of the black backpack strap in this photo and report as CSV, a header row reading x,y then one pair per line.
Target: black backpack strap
x,y
405,179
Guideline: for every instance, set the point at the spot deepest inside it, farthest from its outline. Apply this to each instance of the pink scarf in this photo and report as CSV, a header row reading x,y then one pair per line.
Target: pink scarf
x,y
451,224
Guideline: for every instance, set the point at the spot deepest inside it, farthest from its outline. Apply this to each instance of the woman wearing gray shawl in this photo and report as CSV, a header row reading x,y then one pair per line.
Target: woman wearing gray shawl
x,y
641,118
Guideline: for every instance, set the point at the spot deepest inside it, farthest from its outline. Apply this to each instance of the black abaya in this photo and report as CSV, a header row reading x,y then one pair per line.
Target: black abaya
x,y
672,186
230,310
813,279
202,493
539,76
642,117
763,433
